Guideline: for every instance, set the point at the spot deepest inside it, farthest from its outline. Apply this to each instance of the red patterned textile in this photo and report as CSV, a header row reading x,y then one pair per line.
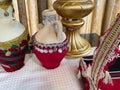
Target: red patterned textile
x,y
50,55
115,86
96,75
115,75
16,60
12,59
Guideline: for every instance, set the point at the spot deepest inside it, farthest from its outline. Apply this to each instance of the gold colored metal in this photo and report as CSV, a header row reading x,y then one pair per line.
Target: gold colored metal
x,y
49,4
72,12
4,4
5,1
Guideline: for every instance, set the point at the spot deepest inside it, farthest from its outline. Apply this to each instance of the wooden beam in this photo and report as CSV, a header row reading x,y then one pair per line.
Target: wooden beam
x,y
32,16
16,10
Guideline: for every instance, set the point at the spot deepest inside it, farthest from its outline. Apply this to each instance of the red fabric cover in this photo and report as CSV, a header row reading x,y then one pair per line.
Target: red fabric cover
x,y
103,86
100,85
115,86
16,60
13,65
50,60
13,68
86,84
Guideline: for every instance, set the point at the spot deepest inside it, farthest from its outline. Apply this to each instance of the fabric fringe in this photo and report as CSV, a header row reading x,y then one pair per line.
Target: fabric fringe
x,y
79,75
107,79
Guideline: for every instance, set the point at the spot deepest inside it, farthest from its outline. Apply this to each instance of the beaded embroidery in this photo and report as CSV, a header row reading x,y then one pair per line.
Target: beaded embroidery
x,y
50,48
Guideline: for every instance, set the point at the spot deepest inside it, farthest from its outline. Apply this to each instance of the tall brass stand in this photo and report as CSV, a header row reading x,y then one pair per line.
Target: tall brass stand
x,y
72,12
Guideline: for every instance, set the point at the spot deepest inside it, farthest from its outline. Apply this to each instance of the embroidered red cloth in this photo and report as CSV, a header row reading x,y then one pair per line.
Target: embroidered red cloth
x,y
115,86
12,52
14,61
96,75
50,60
50,55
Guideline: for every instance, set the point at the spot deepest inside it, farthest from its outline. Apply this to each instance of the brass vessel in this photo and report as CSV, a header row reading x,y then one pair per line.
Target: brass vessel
x,y
72,12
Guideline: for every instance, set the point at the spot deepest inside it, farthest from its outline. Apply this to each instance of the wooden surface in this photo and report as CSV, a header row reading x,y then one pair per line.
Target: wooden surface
x,y
33,16
22,12
42,5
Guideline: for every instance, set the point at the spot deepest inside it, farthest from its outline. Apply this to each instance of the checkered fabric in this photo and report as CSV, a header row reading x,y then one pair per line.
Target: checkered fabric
x,y
35,77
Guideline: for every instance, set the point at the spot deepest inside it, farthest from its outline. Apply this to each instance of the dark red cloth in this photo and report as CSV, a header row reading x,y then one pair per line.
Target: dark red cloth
x,y
103,86
50,60
12,67
16,60
115,86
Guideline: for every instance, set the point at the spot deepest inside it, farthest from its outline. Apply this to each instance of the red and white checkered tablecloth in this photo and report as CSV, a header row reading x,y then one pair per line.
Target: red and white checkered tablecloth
x,y
35,77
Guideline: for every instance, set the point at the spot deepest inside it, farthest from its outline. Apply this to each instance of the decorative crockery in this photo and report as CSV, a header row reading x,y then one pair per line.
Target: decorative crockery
x,y
13,41
50,45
